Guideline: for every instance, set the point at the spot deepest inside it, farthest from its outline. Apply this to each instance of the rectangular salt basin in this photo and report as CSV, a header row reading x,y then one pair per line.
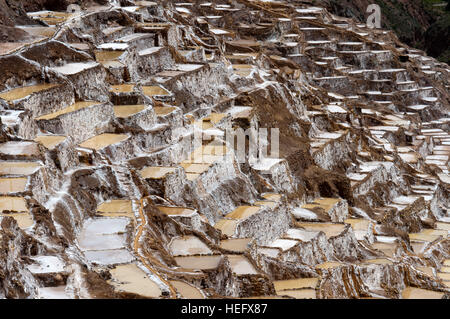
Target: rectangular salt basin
x,y
23,220
300,293
50,141
123,111
176,211
186,291
240,265
74,68
195,168
358,223
328,135
329,229
405,200
199,262
428,235
443,226
104,226
329,265
379,261
46,265
52,293
103,234
444,276
272,197
227,226
12,185
300,234
243,212
115,206
304,214
122,88
236,244
109,257
154,90
265,203
163,110
102,241
409,157
188,245
283,244
325,203
22,92
156,172
356,177
132,279
72,108
148,51
103,140
19,148
14,204
387,248
187,67
300,283
418,293
445,269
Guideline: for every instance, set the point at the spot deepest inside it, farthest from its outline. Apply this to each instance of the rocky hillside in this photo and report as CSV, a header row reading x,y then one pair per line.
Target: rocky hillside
x,y
423,24
118,178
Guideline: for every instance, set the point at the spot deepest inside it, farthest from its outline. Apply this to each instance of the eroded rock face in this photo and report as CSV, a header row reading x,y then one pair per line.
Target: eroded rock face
x,y
105,193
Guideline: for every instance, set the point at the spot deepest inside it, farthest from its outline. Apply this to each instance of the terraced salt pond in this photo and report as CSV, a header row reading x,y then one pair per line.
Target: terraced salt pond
x,y
283,244
360,227
53,293
300,283
154,90
47,265
132,279
329,265
104,241
23,220
188,245
330,230
428,235
72,108
176,211
124,111
236,244
122,88
195,168
243,212
50,141
19,211
103,140
240,265
13,204
418,293
19,148
163,110
227,226
13,185
107,55
186,291
199,262
103,233
22,92
156,172
116,208
387,248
